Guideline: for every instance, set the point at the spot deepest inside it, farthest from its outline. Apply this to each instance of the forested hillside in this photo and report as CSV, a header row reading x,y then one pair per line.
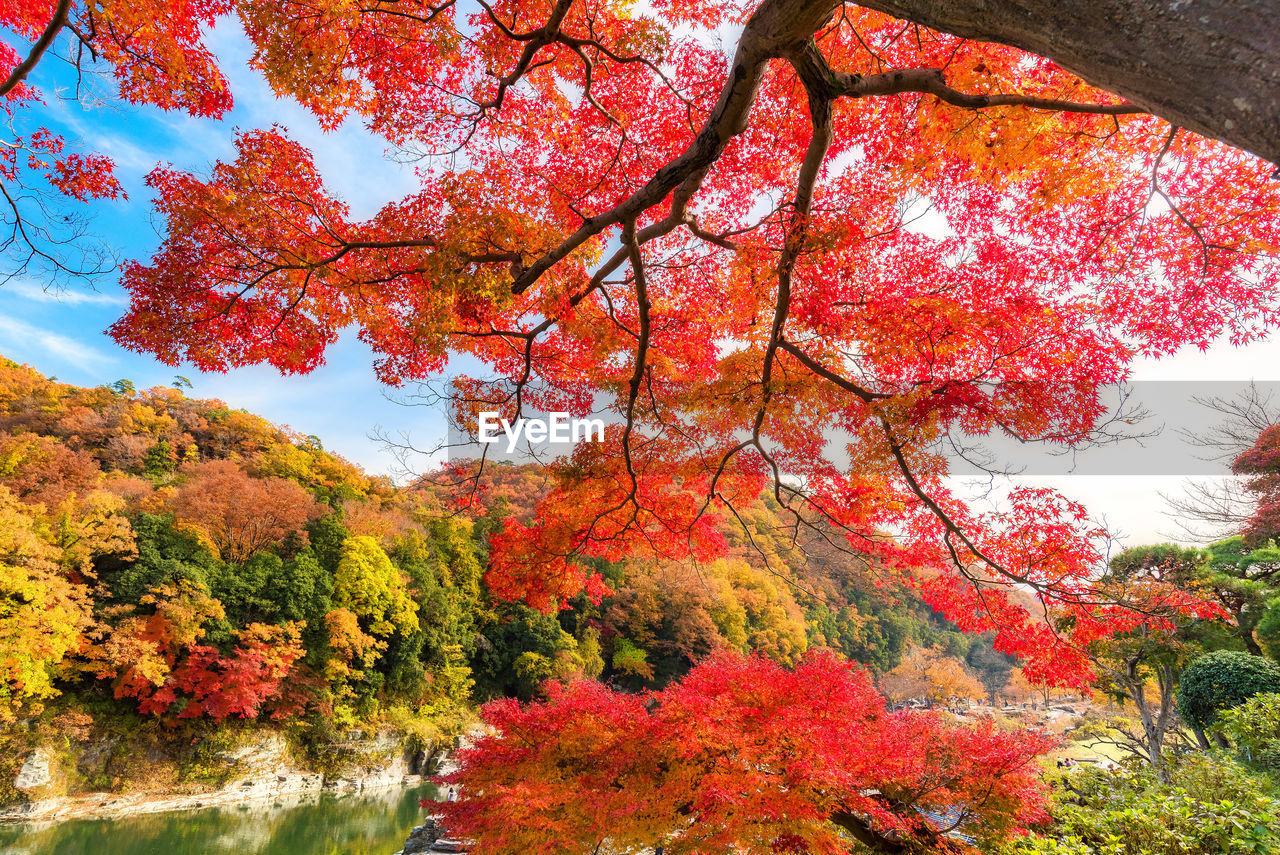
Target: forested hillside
x,y
171,559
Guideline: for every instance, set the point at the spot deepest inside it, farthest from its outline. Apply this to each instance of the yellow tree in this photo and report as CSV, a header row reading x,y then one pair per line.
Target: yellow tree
x,y
930,674
42,613
369,585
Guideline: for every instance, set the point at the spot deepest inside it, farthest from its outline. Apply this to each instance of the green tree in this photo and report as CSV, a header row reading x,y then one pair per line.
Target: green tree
x,y
1155,652
1254,727
444,578
301,589
1244,580
166,555
327,536
246,589
1222,680
160,460
507,633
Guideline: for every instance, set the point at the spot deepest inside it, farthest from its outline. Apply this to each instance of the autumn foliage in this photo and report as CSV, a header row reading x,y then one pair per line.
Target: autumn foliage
x,y
930,675
736,260
741,754
156,549
854,230
241,515
157,660
732,259
1260,465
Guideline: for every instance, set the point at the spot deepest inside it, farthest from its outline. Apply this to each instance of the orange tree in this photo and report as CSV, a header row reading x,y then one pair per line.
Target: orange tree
x,y
728,760
728,248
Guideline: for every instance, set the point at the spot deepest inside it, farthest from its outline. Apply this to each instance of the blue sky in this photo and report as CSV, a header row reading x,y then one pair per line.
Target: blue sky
x,y
62,333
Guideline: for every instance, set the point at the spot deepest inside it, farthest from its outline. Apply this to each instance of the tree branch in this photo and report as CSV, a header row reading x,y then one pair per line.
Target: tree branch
x,y
1206,65
22,69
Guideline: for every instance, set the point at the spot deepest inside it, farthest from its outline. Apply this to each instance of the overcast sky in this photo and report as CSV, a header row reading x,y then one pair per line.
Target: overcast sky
x,y
62,334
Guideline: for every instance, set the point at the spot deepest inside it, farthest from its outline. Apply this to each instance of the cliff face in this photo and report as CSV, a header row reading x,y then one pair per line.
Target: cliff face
x,y
261,768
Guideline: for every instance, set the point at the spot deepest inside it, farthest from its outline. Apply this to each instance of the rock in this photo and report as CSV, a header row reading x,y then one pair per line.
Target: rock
x,y
424,761
373,763
430,837
423,837
34,773
94,756
264,754
260,769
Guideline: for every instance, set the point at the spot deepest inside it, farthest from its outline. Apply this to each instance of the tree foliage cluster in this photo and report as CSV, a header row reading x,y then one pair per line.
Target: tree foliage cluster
x,y
1207,665
194,562
1183,671
653,620
189,561
725,246
1208,805
608,198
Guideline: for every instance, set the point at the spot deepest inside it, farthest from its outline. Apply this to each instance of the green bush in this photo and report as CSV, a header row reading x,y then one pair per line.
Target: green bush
x,y
1254,727
1210,806
1222,680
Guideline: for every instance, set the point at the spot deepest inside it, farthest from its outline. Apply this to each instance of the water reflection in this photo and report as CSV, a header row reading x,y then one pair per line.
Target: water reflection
x,y
357,824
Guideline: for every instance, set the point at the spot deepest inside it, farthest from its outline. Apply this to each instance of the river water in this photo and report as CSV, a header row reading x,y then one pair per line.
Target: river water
x,y
324,824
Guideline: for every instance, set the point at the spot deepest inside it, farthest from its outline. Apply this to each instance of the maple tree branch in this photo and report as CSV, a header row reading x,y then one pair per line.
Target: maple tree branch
x,y
1157,190
820,116
547,34
775,29
866,834
932,82
1207,66
819,143
642,346
51,30
953,529
32,234
822,371
815,71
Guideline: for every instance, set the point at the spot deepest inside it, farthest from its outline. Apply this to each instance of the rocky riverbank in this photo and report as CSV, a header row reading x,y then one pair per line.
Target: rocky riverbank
x,y
261,769
431,837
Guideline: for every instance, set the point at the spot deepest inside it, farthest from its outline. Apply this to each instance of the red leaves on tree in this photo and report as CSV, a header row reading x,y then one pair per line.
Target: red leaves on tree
x,y
742,754
239,514
238,684
732,260
85,177
158,55
1260,464
274,191
156,660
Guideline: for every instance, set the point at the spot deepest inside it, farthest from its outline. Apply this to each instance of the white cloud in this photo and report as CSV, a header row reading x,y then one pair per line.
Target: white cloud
x,y
31,291
20,336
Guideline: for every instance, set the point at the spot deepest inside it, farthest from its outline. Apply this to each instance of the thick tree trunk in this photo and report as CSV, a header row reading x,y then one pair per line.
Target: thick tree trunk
x,y
1211,66
1251,643
1246,620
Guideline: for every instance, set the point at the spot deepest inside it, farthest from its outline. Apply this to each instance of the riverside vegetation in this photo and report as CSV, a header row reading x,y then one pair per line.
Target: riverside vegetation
x,y
181,580
743,225
178,578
